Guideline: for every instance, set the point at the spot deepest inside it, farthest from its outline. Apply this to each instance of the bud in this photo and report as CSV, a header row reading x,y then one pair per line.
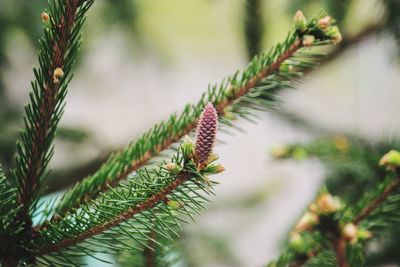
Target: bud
x,y
45,17
174,204
230,91
299,153
213,157
324,23
297,243
327,204
213,168
391,160
307,221
279,151
229,115
187,147
286,67
364,234
173,167
308,40
350,233
219,168
300,21
57,75
206,131
313,208
341,143
334,34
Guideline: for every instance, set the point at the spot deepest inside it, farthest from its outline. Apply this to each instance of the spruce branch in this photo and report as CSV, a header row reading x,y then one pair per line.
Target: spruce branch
x,y
58,49
237,95
377,198
375,203
149,203
144,209
82,171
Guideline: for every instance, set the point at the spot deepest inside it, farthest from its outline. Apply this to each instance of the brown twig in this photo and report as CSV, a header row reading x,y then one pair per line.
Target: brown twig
x,y
377,201
339,246
145,205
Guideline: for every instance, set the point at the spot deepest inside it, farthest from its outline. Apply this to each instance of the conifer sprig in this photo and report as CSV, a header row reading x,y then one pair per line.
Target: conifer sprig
x,y
57,53
376,202
130,212
237,95
170,253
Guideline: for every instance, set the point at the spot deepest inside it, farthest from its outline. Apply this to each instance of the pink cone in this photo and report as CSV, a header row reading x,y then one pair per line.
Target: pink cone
x,y
206,131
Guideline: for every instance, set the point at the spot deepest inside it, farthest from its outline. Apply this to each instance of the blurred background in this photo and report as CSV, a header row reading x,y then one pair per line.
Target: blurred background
x,y
142,60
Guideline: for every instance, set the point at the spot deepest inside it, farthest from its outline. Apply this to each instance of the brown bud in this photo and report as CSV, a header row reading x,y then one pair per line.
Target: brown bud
x,y
308,40
307,221
324,23
57,75
326,203
391,160
350,233
279,151
300,21
173,167
220,168
334,34
341,143
45,17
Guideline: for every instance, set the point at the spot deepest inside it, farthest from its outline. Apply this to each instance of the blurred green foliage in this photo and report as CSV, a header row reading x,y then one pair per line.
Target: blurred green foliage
x,y
352,169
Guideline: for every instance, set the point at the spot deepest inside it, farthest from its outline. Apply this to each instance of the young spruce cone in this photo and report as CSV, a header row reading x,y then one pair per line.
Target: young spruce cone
x,y
206,130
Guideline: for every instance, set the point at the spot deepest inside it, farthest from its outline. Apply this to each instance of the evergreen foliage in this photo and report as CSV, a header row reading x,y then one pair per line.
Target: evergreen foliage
x,y
253,88
153,200
133,210
57,52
